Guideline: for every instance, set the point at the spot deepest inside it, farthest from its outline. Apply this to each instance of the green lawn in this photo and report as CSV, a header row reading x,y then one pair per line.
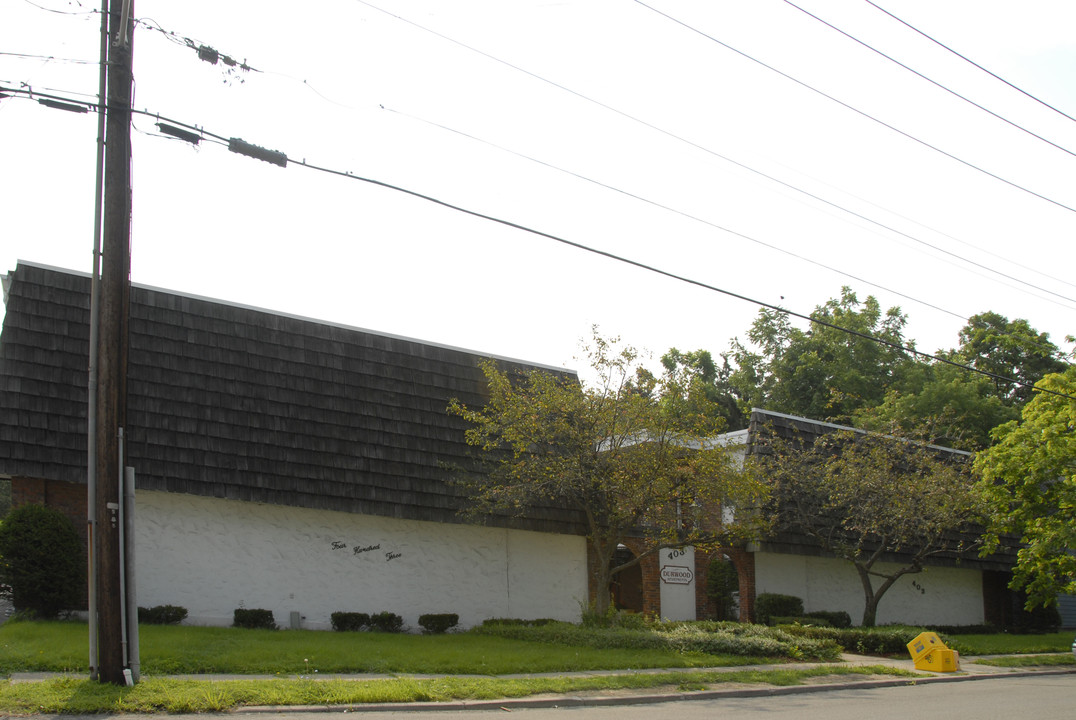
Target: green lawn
x,y
301,663
1005,644
171,650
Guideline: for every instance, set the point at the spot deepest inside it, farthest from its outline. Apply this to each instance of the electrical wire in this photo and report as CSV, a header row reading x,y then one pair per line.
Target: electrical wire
x,y
710,151
928,79
859,112
970,61
613,256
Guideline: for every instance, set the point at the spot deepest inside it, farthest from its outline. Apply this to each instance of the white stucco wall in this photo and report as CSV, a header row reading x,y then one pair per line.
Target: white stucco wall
x,y
942,596
212,556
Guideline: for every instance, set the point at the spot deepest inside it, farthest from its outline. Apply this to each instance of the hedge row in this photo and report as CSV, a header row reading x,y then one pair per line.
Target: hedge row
x,y
715,638
384,621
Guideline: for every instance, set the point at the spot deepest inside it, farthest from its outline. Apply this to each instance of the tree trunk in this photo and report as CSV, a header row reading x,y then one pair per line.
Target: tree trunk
x,y
870,605
603,576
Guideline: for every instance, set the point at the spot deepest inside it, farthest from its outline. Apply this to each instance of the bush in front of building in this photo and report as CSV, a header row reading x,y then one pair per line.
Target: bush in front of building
x,y
770,605
722,638
891,640
42,561
254,619
386,621
437,623
350,621
162,615
836,618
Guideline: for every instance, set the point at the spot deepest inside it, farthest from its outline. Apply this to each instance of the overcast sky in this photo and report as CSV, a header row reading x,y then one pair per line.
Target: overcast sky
x,y
650,131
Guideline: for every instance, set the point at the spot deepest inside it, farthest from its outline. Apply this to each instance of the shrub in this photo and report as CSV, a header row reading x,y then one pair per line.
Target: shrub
x,y
350,621
386,622
836,618
721,582
725,638
864,641
768,605
435,624
1038,619
254,619
42,561
803,620
162,615
504,622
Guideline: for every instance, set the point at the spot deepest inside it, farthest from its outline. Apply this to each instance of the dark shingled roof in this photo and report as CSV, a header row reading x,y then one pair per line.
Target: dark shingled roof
x,y
232,402
794,541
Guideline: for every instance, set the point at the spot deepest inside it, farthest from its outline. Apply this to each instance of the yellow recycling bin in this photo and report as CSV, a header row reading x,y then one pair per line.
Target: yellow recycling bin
x,y
929,653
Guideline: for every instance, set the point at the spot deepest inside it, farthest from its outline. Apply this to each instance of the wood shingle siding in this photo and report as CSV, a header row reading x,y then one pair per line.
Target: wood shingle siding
x,y
233,402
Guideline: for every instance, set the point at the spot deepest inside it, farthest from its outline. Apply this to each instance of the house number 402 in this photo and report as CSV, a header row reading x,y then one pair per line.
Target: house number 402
x,y
919,587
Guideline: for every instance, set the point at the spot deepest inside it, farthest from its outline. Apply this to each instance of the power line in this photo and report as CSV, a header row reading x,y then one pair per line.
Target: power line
x,y
279,158
928,79
744,236
856,110
714,153
970,61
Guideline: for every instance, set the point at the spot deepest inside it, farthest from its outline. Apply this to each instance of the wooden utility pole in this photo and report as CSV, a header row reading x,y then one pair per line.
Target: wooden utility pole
x,y
112,313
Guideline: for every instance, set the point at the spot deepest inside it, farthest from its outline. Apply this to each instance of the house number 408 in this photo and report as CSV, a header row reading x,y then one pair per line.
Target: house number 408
x,y
919,587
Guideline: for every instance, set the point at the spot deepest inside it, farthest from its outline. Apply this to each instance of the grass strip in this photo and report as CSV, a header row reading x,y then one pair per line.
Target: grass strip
x,y
1029,660
71,695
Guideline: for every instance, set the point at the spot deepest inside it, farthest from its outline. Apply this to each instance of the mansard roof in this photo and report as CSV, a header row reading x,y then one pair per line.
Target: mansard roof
x,y
234,402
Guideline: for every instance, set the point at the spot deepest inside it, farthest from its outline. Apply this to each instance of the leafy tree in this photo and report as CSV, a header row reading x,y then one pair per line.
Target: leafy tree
x,y
1013,349
42,561
1029,479
822,372
700,374
956,408
863,497
633,463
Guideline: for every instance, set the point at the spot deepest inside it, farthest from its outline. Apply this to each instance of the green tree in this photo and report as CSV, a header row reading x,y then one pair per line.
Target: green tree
x,y
633,464
1029,480
862,497
955,407
821,372
1011,349
42,561
702,377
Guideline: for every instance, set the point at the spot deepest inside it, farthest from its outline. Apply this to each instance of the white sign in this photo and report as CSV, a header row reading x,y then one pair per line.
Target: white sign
x,y
677,575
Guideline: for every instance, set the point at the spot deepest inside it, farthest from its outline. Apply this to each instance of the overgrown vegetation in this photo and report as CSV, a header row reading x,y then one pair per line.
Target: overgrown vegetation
x,y
713,638
42,561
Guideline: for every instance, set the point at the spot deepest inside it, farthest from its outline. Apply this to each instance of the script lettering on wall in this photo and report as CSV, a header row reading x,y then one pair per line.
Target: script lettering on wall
x,y
362,549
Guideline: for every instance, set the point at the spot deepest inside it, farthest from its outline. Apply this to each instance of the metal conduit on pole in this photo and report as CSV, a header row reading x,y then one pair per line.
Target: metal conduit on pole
x,y
133,658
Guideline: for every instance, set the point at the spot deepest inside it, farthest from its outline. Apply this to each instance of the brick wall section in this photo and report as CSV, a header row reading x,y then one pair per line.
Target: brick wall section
x,y
68,498
651,580
744,563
